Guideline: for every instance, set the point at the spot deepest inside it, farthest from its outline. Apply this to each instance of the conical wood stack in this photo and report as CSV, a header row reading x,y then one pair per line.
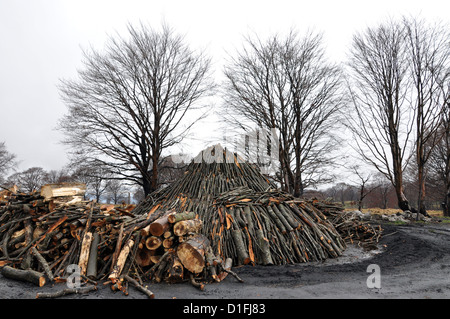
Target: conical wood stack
x,y
244,216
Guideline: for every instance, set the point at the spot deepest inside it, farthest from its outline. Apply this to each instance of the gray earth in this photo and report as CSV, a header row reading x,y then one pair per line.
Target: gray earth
x,y
413,260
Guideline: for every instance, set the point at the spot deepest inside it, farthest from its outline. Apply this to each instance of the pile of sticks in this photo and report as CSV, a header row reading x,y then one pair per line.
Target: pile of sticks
x,y
41,240
350,226
38,234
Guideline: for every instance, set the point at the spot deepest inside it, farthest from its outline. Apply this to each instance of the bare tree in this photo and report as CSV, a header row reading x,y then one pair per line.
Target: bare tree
x,y
115,191
58,176
378,83
95,176
7,160
429,60
287,84
365,188
439,161
29,180
130,101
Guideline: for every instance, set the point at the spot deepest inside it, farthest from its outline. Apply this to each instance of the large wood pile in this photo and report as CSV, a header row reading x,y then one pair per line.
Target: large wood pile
x,y
244,217
222,213
42,236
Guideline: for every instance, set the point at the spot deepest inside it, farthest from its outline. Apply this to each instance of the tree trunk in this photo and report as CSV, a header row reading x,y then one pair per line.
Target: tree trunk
x,y
421,198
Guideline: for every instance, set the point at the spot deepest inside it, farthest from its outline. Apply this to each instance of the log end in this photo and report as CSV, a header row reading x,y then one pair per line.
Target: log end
x,y
191,259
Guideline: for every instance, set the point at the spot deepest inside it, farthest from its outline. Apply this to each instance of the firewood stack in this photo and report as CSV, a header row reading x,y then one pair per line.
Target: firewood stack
x,y
176,251
244,216
41,237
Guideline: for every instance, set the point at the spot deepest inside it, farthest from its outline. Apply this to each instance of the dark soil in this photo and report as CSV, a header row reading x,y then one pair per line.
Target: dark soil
x,y
414,261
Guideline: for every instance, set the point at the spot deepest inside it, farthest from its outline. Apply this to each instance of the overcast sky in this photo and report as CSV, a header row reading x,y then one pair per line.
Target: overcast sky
x,y
41,42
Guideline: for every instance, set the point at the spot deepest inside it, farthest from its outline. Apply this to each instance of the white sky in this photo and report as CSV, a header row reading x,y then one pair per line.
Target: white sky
x,y
41,41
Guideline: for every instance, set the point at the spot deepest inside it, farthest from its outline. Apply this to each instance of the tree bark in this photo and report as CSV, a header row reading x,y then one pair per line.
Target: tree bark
x,y
91,271
31,276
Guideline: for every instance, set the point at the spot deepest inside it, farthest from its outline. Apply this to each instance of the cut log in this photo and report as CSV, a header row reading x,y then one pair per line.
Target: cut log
x,y
31,276
143,257
159,226
174,218
155,259
263,244
242,253
84,254
192,253
176,270
153,243
187,226
117,269
91,271
62,190
168,242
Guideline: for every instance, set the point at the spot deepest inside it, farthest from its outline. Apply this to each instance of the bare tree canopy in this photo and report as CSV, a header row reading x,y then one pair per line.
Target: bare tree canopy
x,y
428,48
129,101
381,122
396,75
286,83
7,160
29,180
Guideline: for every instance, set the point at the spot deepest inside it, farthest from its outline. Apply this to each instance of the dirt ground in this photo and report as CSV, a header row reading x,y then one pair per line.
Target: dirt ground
x,y
414,262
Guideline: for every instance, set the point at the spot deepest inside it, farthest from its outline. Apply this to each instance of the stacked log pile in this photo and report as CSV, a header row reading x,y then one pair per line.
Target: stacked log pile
x,y
244,217
37,233
41,240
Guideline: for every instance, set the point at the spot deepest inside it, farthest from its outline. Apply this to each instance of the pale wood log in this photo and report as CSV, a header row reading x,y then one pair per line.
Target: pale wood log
x,y
64,189
153,243
84,254
117,269
168,242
